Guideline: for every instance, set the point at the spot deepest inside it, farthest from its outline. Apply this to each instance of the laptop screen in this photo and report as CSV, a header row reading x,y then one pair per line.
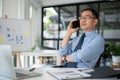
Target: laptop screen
x,y
7,69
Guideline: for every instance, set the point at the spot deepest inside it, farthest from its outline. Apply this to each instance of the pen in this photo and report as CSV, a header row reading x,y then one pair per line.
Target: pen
x,y
32,69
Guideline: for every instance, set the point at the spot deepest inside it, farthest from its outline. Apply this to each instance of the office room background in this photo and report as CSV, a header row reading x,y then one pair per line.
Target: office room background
x,y
49,19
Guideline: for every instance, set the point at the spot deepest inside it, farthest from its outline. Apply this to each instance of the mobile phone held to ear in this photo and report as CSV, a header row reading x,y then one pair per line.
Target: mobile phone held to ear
x,y
76,24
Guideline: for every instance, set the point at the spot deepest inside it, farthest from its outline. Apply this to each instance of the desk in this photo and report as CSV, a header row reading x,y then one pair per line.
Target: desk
x,y
44,53
46,76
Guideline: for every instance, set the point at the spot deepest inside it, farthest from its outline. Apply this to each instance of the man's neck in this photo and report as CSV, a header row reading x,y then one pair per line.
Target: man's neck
x,y
88,30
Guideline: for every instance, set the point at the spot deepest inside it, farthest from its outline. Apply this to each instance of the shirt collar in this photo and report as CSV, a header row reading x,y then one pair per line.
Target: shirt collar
x,y
90,33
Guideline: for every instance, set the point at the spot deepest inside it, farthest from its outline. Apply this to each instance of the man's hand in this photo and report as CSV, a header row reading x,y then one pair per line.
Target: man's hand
x,y
68,58
68,34
71,30
62,59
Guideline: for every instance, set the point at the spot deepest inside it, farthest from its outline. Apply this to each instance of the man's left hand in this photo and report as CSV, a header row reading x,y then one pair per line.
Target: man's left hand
x,y
69,58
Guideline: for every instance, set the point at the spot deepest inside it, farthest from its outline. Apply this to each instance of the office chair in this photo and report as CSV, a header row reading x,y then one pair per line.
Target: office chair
x,y
99,61
102,56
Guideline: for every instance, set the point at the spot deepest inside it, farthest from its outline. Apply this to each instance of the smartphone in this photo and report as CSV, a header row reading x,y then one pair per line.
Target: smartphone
x,y
76,24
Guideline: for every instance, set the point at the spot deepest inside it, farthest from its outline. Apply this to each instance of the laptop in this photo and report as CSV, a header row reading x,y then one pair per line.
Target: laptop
x,y
7,68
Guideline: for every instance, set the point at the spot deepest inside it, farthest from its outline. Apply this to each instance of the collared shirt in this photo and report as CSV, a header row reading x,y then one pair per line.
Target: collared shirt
x,y
87,56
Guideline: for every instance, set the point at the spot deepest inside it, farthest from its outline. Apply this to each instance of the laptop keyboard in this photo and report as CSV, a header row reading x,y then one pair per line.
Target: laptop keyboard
x,y
21,74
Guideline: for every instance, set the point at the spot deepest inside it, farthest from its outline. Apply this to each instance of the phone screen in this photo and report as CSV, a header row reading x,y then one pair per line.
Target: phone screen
x,y
76,24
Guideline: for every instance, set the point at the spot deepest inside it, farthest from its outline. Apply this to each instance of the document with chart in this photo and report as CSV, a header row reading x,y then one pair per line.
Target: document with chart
x,y
67,73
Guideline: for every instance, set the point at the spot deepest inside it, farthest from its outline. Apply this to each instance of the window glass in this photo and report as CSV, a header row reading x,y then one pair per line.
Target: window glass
x,y
50,22
110,19
50,44
67,13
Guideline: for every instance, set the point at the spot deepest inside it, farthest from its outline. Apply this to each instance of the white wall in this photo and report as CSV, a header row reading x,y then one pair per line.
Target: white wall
x,y
0,8
10,8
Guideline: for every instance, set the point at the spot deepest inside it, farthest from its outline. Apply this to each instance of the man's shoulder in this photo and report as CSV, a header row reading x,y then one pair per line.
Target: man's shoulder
x,y
99,38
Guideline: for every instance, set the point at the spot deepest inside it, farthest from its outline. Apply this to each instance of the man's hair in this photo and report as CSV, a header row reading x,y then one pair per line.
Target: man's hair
x,y
95,14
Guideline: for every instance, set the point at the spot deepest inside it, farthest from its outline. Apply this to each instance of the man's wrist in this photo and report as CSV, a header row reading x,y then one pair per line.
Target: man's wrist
x,y
65,59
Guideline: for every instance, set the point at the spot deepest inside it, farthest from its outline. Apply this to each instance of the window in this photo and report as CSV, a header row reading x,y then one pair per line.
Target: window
x,y
56,19
110,20
51,26
67,13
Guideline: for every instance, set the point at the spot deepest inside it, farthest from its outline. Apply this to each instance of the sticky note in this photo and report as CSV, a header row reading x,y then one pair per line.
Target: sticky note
x,y
26,33
1,39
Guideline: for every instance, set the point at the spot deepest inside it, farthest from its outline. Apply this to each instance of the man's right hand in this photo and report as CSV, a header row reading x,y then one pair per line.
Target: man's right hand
x,y
71,30
68,34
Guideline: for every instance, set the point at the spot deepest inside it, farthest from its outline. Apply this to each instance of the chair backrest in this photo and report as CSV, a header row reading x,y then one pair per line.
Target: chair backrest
x,y
101,56
99,60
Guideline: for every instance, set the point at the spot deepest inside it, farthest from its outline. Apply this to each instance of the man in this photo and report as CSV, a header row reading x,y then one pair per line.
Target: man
x,y
92,46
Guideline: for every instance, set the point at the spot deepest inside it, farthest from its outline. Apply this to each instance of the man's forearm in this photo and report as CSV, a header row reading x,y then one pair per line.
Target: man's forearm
x,y
66,39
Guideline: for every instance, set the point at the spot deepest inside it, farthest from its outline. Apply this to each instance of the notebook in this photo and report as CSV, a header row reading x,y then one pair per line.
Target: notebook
x,y
7,69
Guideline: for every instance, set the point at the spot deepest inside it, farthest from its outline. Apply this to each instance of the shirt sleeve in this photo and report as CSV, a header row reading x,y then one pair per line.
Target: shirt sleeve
x,y
90,51
65,50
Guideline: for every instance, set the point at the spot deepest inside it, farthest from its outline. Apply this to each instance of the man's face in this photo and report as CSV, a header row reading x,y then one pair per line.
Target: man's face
x,y
88,21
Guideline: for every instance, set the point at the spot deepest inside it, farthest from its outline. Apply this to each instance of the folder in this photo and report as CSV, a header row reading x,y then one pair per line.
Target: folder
x,y
104,72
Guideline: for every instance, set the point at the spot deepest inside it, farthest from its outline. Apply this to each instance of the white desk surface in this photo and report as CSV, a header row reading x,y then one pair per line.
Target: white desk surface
x,y
45,75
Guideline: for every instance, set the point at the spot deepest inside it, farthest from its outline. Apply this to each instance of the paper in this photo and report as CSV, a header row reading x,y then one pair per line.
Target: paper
x,y
67,74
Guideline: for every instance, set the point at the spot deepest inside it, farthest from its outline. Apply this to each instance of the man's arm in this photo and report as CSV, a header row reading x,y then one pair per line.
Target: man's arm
x,y
91,51
65,41
68,34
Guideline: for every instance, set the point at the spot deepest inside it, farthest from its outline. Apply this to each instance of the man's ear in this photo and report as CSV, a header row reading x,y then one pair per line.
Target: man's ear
x,y
95,21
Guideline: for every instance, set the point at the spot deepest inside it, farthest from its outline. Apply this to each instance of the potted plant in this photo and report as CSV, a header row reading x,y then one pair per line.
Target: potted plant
x,y
114,51
116,55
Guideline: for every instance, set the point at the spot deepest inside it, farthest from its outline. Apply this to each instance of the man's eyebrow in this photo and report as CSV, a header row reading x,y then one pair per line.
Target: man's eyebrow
x,y
87,15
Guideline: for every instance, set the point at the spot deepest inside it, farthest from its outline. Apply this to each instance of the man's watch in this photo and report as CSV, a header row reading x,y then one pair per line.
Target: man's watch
x,y
65,59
